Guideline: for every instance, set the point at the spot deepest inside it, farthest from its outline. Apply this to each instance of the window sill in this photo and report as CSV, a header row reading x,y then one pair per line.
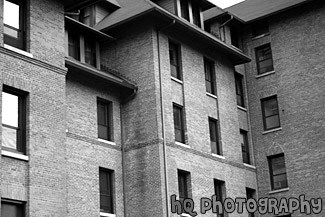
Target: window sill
x,y
211,95
218,156
279,190
250,166
182,144
242,108
14,155
176,80
272,131
18,50
260,36
104,214
106,141
185,215
265,74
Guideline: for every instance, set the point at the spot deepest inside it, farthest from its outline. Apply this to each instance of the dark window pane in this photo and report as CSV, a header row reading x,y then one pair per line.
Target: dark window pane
x,y
11,209
278,172
272,122
106,191
104,119
174,58
239,89
264,59
245,147
209,76
270,111
74,45
185,9
196,14
178,124
90,52
214,140
218,187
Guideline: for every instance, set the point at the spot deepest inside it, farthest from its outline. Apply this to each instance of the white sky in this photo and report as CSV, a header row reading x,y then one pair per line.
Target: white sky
x,y
225,3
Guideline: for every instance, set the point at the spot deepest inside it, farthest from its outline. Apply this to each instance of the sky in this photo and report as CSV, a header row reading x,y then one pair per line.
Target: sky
x,y
225,3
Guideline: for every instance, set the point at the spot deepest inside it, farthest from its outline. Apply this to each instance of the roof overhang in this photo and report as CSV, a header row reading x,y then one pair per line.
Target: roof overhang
x,y
103,76
78,4
86,30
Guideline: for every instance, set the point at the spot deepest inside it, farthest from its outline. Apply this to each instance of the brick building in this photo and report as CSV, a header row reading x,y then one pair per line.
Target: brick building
x,y
110,107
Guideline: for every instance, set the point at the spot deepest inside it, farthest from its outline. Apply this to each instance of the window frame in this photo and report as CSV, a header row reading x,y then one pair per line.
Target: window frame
x,y
109,119
259,49
263,102
245,147
22,114
182,122
175,49
271,170
217,149
209,72
250,194
184,179
110,185
219,191
20,204
20,41
239,78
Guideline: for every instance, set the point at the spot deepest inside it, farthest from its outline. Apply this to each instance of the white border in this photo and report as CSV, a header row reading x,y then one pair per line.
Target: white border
x,y
106,141
14,155
18,50
104,214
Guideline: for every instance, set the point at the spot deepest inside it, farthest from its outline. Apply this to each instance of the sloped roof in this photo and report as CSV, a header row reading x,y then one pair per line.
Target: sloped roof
x,y
212,13
251,10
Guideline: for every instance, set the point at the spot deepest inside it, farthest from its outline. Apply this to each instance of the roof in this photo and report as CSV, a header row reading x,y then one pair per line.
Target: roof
x,y
251,10
213,13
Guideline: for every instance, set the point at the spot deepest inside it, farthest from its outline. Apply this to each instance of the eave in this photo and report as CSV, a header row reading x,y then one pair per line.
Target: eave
x,y
104,76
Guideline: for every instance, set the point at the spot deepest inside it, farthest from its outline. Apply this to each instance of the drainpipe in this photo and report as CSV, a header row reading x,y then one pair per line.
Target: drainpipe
x,y
123,102
163,119
222,26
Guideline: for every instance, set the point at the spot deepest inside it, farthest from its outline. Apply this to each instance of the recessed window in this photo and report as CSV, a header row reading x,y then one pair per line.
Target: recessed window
x,y
270,111
74,45
214,136
179,123
90,52
10,208
184,185
250,194
14,23
175,61
87,15
106,190
264,59
219,191
245,147
13,120
105,119
210,78
185,13
196,14
239,90
260,28
278,172
234,33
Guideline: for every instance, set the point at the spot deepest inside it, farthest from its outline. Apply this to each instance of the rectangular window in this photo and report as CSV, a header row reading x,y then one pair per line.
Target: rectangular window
x,y
245,147
174,58
219,189
239,90
11,208
185,13
210,78
179,123
214,136
234,36
264,59
90,52
184,185
13,120
14,18
196,14
270,111
250,194
260,28
106,190
74,45
278,172
104,119
87,15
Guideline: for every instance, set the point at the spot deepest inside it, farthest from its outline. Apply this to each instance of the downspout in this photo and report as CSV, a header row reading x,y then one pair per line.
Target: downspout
x,y
123,102
222,26
163,119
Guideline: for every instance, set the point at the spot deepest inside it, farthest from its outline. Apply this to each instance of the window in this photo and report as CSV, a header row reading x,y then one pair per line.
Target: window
x,y
185,10
239,90
104,119
264,59
174,58
260,28
270,111
234,36
74,45
179,123
14,23
13,120
184,185
87,16
278,172
106,190
250,193
219,189
10,208
214,138
245,147
90,52
196,14
210,79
